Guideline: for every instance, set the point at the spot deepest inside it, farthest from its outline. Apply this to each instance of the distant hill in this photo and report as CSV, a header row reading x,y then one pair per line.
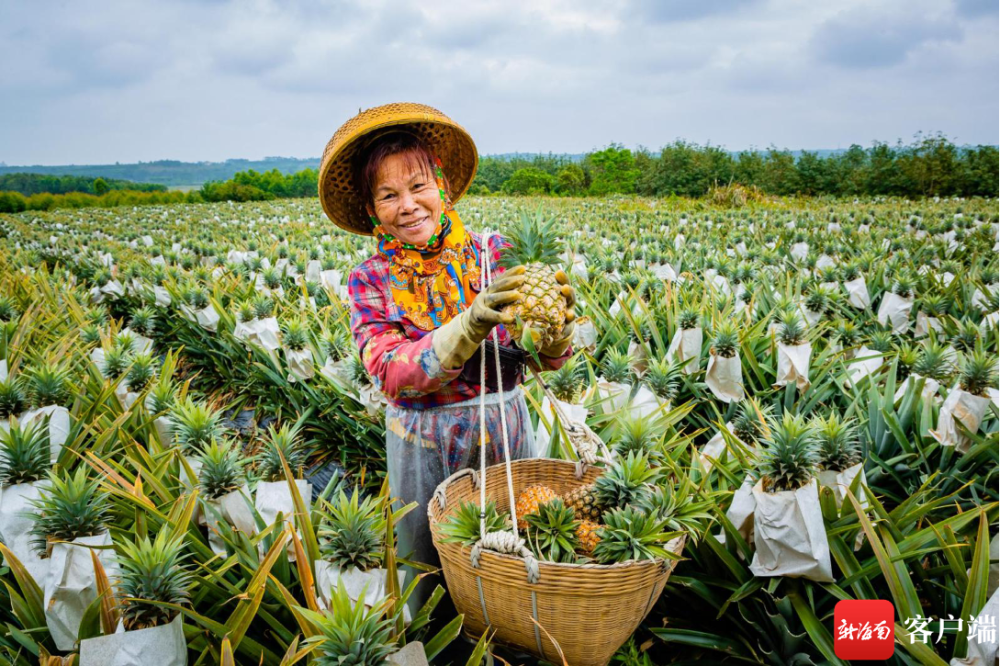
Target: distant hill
x,y
188,175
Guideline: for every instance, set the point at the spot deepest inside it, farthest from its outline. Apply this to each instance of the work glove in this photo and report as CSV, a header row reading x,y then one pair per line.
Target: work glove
x,y
558,347
456,342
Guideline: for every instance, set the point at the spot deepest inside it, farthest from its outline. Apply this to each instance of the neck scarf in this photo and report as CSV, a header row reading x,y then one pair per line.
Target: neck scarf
x,y
434,282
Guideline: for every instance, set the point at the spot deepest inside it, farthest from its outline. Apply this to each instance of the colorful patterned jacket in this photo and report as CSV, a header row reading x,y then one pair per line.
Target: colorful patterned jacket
x,y
398,355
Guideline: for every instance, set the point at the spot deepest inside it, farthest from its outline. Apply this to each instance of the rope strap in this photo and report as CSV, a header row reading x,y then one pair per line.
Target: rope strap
x,y
508,544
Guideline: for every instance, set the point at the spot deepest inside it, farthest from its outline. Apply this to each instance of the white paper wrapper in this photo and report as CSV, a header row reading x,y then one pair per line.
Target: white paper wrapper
x,y
983,648
799,251
992,320
113,290
300,364
71,585
330,279
164,645
840,483
233,508
789,535
274,497
161,296
614,395
714,448
665,272
930,388
16,523
579,269
686,346
411,654
895,309
58,426
585,335
638,357
866,362
740,512
965,407
926,324
3,370
793,365
206,317
645,403
576,413
337,372
355,581
824,261
725,377
857,293
313,270
373,400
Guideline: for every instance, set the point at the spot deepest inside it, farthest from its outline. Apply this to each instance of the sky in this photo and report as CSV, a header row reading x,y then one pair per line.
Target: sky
x,y
109,81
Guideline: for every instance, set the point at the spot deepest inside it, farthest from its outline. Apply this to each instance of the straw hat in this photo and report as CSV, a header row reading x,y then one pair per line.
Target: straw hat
x,y
448,140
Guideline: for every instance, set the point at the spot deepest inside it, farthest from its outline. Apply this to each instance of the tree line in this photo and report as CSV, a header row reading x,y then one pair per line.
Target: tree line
x,y
15,202
38,183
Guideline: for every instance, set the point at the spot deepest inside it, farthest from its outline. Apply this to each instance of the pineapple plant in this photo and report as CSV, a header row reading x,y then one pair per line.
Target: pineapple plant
x,y
13,398
152,571
978,373
967,336
568,382
70,506
904,286
221,469
116,361
295,335
194,425
352,533
638,434
935,362
48,384
90,334
583,500
541,312
24,453
790,458
626,481
528,501
616,367
281,443
141,373
726,340
462,524
350,633
663,377
792,331
750,423
631,534
263,306
679,509
837,442
246,312
551,532
162,398
8,311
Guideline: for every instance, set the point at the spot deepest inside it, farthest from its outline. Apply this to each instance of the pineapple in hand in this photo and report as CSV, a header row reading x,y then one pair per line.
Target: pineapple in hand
x,y
544,314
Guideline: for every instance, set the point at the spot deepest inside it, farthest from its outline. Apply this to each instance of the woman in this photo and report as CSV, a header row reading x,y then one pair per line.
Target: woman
x,y
418,307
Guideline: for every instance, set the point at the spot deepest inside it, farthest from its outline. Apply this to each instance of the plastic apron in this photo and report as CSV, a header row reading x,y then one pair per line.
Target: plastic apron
x,y
426,446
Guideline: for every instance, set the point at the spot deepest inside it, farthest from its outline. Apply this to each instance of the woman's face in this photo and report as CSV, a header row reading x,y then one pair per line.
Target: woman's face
x,y
406,198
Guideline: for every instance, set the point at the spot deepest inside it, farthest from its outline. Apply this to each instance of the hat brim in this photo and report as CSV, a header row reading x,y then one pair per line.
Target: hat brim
x,y
448,140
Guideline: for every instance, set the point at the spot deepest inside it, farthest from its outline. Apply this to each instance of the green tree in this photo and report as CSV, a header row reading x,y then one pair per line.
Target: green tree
x,y
100,187
529,180
571,180
613,170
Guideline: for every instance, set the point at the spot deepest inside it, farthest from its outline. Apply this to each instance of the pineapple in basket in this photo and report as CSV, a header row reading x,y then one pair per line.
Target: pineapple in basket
x,y
528,501
542,310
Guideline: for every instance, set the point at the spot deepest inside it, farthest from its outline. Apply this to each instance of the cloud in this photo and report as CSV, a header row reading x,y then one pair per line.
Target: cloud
x,y
975,8
865,39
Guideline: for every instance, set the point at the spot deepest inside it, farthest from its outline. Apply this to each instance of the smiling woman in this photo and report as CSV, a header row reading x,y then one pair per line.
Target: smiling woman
x,y
419,308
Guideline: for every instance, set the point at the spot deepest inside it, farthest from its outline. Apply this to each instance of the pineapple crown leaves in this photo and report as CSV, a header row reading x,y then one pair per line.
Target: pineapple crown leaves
x,y
967,336
24,452
837,442
792,330
116,361
904,285
163,396
144,320
616,367
152,571
8,311
351,634
632,534
625,481
680,509
194,425
281,443
352,532
263,306
335,345
638,434
688,319
790,457
48,384
978,373
142,372
663,377
726,340
462,524
751,422
222,469
567,382
936,361
295,334
533,240
246,312
551,532
13,397
69,506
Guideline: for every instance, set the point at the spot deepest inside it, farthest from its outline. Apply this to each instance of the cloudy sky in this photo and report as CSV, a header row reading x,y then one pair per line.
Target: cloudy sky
x,y
128,80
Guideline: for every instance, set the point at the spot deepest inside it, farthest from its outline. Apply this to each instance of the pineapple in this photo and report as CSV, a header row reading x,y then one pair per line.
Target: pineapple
x,y
837,440
726,340
966,336
528,501
617,367
90,334
631,534
462,524
792,331
978,373
551,532
583,501
688,319
586,535
13,398
295,335
285,441
935,362
567,383
48,384
24,453
751,420
116,361
541,312
663,378
70,506
352,534
638,434
350,633
152,572
626,481
142,372
221,469
790,458
194,425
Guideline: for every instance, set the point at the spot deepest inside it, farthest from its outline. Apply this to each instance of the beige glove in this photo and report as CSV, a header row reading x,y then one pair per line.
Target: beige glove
x,y
456,342
559,347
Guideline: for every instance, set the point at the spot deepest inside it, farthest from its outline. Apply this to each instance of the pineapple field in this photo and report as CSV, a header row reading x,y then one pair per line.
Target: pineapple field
x,y
783,403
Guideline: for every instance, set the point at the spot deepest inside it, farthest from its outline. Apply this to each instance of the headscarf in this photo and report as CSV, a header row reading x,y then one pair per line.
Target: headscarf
x,y
434,282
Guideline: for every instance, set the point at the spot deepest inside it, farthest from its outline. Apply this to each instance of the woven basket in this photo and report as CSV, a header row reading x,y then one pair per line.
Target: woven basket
x,y
589,609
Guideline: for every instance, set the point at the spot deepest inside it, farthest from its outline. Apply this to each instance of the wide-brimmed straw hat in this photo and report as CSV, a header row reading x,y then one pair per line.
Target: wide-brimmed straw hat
x,y
338,190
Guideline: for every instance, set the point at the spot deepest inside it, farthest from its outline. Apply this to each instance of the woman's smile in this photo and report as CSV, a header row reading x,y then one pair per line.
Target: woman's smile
x,y
407,201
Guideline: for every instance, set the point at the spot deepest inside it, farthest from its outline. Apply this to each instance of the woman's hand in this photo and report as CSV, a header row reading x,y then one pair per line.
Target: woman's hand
x,y
456,342
559,346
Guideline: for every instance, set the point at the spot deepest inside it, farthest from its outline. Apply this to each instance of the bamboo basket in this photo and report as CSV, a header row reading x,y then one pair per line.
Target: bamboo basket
x,y
590,610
